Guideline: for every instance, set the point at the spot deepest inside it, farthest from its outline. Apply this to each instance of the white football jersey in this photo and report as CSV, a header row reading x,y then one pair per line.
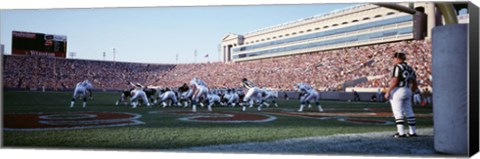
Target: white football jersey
x,y
304,87
197,82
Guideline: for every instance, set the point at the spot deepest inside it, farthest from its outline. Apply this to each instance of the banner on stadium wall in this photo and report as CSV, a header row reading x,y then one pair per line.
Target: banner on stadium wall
x,y
27,43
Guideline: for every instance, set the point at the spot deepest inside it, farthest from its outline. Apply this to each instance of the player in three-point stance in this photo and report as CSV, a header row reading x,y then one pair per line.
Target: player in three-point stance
x,y
126,94
185,95
231,98
253,94
138,92
82,89
212,98
199,89
165,95
402,84
268,95
309,93
225,98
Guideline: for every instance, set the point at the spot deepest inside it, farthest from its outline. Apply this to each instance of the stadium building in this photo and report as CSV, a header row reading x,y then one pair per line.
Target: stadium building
x,y
364,24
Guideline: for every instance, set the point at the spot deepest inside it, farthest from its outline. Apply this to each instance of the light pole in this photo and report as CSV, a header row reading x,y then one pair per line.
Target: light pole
x,y
195,56
114,54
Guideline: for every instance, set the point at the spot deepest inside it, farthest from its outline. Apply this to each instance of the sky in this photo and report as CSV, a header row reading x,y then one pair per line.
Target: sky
x,y
152,34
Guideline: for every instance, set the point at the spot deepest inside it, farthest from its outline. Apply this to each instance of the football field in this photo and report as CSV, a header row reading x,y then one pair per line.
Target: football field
x,y
44,120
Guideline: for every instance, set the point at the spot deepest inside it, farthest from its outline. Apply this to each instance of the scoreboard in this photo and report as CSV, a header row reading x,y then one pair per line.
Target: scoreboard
x,y
28,43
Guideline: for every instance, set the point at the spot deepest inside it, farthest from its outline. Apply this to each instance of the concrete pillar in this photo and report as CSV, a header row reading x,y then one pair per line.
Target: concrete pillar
x,y
430,11
224,57
450,109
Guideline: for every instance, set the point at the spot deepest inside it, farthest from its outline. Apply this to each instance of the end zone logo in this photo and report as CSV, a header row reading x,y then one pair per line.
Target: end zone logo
x,y
220,117
227,117
68,120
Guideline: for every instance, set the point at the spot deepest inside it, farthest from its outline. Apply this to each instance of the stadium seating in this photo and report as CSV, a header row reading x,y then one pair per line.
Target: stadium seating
x,y
28,72
323,70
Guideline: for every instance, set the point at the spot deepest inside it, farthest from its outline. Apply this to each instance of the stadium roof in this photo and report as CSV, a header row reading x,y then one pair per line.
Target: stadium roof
x,y
308,18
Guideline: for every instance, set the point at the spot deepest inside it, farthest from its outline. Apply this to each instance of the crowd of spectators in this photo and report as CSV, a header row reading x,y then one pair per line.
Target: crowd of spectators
x,y
323,70
36,72
419,56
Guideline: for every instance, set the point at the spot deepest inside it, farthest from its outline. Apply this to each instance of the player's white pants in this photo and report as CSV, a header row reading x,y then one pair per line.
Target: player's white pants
x,y
252,93
401,102
310,95
187,94
402,107
139,94
270,96
212,98
79,92
234,99
168,95
123,99
226,98
202,91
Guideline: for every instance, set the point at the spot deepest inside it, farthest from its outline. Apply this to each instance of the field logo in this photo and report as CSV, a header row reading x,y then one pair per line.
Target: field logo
x,y
226,117
68,120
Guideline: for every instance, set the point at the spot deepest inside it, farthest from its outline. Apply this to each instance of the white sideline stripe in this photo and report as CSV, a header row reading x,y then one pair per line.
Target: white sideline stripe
x,y
155,112
86,122
80,116
339,118
303,116
362,143
380,122
192,118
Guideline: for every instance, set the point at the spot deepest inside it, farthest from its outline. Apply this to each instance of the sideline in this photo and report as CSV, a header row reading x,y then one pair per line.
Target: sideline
x,y
378,143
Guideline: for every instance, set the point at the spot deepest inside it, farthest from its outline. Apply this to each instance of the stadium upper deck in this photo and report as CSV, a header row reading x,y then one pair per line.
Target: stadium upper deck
x,y
365,24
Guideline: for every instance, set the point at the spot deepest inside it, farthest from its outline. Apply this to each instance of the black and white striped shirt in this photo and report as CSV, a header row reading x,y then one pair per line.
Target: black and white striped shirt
x,y
248,84
404,73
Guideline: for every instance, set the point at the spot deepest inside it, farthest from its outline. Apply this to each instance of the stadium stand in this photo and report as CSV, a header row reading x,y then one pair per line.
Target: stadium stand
x,y
35,72
363,66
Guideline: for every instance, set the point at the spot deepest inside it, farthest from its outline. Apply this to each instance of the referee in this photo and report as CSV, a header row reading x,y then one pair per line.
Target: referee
x,y
402,84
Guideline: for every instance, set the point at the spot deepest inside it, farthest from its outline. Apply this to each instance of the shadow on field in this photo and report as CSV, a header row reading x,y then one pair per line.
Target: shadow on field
x,y
381,143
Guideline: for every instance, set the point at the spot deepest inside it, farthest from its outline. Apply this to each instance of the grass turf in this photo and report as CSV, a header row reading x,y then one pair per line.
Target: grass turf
x,y
163,131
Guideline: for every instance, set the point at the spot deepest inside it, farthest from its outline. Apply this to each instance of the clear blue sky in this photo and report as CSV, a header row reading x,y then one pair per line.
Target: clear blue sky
x,y
152,34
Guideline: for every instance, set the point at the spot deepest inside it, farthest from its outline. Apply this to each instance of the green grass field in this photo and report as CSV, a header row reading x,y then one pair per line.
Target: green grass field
x,y
162,129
